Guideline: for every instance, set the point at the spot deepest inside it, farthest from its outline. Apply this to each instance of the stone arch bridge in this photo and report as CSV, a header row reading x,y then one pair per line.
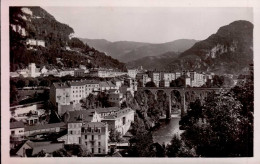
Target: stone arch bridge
x,y
200,93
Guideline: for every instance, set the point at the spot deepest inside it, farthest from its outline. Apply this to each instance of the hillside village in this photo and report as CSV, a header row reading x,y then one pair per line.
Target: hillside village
x,y
88,124
68,99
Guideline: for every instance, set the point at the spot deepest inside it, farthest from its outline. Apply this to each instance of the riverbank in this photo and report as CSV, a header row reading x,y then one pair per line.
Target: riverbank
x,y
165,130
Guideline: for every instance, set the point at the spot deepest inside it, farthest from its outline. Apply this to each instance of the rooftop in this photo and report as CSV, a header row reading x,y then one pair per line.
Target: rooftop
x,y
119,114
17,124
104,110
79,116
44,126
47,146
60,85
95,124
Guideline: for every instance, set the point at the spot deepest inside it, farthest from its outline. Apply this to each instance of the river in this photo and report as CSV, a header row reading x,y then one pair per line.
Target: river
x,y
166,130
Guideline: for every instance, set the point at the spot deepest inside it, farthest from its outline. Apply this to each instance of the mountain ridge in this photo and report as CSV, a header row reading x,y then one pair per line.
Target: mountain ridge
x,y
126,51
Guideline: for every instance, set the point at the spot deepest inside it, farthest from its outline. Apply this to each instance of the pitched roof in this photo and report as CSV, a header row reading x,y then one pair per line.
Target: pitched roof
x,y
17,124
95,124
60,85
47,146
79,116
44,126
119,114
103,84
104,110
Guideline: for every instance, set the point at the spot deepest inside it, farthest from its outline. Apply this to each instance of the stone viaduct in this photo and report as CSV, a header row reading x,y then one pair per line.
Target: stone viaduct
x,y
199,92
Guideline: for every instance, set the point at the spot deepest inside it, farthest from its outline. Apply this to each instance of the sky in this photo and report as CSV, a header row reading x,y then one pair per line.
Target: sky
x,y
147,24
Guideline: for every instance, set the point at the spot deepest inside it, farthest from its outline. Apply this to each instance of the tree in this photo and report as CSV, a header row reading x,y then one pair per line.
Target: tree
x,y
141,142
21,83
45,82
150,84
115,136
42,153
61,153
173,148
179,82
222,134
13,94
218,81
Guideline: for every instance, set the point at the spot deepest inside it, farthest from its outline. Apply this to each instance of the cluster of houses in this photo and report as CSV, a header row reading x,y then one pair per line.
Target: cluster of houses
x,y
163,78
33,71
79,126
72,92
88,128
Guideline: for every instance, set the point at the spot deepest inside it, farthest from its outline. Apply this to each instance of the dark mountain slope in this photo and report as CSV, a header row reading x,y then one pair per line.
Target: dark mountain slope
x,y
228,51
36,24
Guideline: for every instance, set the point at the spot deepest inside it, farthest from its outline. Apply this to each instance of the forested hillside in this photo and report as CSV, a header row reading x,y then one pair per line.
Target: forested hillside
x,y
37,25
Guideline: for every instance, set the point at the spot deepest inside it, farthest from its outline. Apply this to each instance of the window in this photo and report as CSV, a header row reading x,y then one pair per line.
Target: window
x,y
86,136
12,132
99,143
99,150
92,150
99,137
92,137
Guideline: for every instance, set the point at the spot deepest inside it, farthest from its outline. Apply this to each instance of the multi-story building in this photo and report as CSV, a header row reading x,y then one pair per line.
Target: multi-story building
x,y
34,42
72,91
166,78
33,71
77,90
79,72
120,120
177,75
60,94
143,78
66,72
94,135
155,76
107,85
75,121
16,133
115,97
132,73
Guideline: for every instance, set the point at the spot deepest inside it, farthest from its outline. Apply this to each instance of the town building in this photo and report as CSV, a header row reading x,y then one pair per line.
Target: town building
x,y
42,129
79,72
29,114
75,120
31,148
132,73
72,91
34,42
142,78
94,135
155,76
16,133
60,94
115,97
120,120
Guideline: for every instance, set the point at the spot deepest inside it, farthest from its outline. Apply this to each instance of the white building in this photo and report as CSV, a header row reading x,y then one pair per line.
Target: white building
x,y
94,135
75,121
132,73
34,42
120,121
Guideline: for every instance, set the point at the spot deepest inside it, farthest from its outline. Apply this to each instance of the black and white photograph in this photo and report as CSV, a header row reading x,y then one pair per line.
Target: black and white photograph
x,y
130,82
